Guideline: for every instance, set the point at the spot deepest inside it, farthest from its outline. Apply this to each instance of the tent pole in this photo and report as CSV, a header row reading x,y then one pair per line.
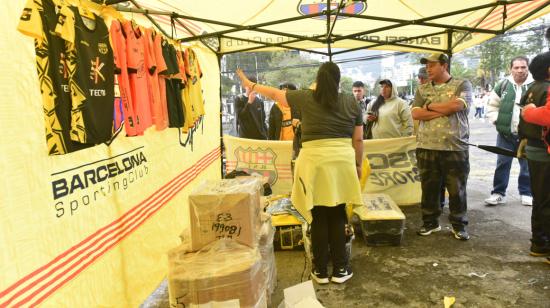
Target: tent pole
x,y
222,147
531,13
449,48
194,35
150,19
328,31
109,2
395,43
265,45
256,26
340,7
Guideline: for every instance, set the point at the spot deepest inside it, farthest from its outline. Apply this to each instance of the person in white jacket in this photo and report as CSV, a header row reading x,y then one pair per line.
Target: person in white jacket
x,y
389,116
503,111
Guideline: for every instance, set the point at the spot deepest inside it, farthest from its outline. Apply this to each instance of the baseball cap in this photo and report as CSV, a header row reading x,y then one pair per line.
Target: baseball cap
x,y
422,73
435,57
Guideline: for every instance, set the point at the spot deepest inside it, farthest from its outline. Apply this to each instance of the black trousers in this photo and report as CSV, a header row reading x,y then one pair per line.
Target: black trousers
x,y
328,230
443,168
540,215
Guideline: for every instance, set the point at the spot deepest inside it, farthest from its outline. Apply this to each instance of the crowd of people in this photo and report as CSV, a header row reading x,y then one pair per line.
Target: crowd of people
x,y
333,126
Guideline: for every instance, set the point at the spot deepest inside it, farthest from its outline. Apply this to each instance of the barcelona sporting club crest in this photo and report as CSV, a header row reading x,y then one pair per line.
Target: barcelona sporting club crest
x,y
306,7
257,161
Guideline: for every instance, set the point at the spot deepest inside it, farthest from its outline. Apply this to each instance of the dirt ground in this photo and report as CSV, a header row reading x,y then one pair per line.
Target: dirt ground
x,y
492,269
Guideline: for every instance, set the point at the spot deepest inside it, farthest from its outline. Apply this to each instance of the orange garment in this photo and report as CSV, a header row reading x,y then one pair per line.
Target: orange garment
x,y
119,51
287,130
153,81
161,67
135,49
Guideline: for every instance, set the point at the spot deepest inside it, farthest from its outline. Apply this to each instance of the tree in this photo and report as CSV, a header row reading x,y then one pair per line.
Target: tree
x,y
495,54
290,67
459,71
346,83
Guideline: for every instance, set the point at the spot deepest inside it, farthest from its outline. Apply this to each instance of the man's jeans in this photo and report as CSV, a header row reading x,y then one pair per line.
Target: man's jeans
x,y
448,168
504,163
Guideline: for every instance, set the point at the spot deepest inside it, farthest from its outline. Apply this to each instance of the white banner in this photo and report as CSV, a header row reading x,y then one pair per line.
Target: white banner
x,y
393,169
392,162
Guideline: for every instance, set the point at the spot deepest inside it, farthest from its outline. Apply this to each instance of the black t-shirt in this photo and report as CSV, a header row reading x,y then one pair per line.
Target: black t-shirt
x,y
174,100
321,123
92,83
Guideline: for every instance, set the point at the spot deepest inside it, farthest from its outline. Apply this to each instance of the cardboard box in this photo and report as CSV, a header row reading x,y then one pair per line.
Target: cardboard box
x,y
225,209
224,271
382,221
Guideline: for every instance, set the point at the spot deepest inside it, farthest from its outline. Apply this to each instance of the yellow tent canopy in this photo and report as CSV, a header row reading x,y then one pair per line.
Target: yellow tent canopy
x,y
228,26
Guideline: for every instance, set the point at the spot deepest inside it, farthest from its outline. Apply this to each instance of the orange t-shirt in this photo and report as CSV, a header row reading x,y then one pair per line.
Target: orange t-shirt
x,y
153,81
135,55
161,67
118,42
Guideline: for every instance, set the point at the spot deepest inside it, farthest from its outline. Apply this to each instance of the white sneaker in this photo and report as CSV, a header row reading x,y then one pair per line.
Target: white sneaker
x,y
526,200
495,199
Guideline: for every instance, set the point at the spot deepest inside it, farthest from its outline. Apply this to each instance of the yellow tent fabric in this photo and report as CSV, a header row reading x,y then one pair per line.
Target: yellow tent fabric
x,y
406,25
104,244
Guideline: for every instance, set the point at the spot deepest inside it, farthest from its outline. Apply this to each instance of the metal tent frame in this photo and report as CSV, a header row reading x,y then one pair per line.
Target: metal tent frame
x,y
328,38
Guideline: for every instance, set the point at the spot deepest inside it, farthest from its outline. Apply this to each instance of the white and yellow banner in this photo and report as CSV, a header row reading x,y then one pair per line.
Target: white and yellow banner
x,y
393,169
91,228
266,157
392,162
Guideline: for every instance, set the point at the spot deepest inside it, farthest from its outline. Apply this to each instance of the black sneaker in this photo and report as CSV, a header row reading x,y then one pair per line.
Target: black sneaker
x,y
318,277
342,275
428,229
461,234
538,251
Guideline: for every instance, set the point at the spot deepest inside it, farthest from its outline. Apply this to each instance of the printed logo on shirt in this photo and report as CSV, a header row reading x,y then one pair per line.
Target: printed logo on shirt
x,y
61,19
26,14
102,48
95,71
63,69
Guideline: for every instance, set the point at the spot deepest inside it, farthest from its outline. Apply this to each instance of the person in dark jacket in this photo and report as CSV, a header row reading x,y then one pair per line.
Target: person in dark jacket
x,y
534,127
281,118
250,116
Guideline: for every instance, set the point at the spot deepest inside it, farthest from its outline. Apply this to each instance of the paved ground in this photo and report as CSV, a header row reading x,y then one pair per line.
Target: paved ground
x,y
492,269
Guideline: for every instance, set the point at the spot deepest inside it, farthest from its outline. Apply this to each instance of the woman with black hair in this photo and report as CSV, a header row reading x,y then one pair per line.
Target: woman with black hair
x,y
328,167
534,125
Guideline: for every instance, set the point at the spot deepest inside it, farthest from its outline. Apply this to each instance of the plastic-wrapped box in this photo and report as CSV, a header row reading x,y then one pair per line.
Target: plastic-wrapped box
x,y
268,255
227,208
382,221
223,272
